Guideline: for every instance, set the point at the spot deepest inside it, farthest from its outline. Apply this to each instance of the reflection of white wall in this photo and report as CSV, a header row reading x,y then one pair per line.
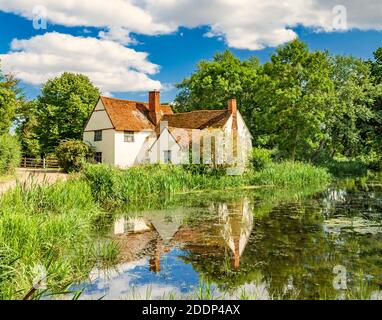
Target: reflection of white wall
x,y
246,225
119,226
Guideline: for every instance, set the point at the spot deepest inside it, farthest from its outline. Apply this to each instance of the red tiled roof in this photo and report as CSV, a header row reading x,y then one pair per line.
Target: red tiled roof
x,y
130,115
134,116
199,119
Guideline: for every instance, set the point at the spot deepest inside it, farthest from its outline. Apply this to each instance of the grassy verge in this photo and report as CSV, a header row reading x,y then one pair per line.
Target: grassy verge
x,y
47,228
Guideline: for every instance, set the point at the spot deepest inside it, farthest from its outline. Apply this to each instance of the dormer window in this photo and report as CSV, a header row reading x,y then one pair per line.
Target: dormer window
x,y
129,136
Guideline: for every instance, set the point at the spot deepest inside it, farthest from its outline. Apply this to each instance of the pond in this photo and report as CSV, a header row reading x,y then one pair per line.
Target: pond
x,y
259,244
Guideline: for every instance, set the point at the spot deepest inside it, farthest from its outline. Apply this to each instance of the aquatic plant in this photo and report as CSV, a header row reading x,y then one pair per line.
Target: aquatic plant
x,y
46,230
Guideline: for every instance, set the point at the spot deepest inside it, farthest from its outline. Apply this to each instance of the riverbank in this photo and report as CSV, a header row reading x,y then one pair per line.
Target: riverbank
x,y
53,229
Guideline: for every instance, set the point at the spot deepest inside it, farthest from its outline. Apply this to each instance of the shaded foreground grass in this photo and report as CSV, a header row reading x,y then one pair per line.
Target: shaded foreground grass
x,y
49,227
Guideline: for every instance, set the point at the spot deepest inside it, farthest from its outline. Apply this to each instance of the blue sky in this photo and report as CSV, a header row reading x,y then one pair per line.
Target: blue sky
x,y
174,53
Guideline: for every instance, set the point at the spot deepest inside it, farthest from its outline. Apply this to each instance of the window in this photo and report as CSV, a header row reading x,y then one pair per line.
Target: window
x,y
167,156
98,135
98,157
129,136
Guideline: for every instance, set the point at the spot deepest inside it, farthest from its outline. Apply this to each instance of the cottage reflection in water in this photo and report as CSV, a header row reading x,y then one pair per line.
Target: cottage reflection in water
x,y
161,231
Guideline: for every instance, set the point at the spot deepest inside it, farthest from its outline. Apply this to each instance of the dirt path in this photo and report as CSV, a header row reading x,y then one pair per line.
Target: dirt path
x,y
33,176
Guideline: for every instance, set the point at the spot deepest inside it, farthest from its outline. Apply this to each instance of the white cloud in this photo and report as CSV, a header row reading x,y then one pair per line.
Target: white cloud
x,y
246,24
117,34
109,65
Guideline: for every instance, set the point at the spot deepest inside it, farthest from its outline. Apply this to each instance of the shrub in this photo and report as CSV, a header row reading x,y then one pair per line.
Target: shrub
x,y
73,154
260,158
9,153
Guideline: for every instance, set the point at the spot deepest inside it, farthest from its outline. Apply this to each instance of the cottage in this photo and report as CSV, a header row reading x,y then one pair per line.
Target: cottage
x,y
126,133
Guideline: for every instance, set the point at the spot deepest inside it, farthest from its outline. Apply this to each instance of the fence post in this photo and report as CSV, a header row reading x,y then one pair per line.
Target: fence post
x,y
43,163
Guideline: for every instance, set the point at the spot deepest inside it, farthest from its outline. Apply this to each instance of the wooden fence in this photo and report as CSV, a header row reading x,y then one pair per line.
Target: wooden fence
x,y
50,163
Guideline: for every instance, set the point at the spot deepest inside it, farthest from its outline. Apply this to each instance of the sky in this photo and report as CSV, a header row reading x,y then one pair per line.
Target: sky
x,y
129,47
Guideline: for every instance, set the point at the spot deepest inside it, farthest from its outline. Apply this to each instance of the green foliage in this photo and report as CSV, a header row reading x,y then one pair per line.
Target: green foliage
x,y
10,100
295,174
216,81
51,226
110,185
305,105
59,113
105,183
293,93
9,154
260,158
28,130
73,154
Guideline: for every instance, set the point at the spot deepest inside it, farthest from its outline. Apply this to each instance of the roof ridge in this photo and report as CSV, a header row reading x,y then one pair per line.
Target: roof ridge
x,y
200,110
124,100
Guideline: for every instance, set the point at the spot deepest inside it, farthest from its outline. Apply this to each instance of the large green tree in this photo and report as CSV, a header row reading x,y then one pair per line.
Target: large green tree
x,y
216,81
376,66
59,113
349,124
294,94
10,99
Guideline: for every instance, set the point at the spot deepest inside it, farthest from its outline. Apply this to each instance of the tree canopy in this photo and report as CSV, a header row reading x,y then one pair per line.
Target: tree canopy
x,y
59,113
10,99
306,105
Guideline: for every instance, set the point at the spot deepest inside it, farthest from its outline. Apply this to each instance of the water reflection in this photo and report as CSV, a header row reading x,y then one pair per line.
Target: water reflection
x,y
258,245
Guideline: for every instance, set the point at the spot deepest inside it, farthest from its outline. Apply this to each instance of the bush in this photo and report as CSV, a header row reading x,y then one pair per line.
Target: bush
x,y
260,158
73,154
9,154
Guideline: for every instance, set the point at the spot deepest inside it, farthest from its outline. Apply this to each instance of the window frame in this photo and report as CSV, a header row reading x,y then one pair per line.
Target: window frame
x,y
128,136
167,159
98,157
98,137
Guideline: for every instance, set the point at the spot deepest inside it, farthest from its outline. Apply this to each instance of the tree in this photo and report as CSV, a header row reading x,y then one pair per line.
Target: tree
x,y
349,123
10,98
293,95
27,130
216,81
60,111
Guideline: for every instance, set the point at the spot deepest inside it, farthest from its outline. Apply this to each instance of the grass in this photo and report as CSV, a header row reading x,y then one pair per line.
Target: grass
x,y
53,228
6,178
47,228
291,174
344,168
111,185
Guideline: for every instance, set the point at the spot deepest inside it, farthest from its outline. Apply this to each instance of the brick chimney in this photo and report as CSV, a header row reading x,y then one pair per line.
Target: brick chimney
x,y
154,106
232,108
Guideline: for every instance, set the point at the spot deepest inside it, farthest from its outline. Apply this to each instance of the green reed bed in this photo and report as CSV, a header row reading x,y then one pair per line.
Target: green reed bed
x,y
49,227
111,185
291,174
